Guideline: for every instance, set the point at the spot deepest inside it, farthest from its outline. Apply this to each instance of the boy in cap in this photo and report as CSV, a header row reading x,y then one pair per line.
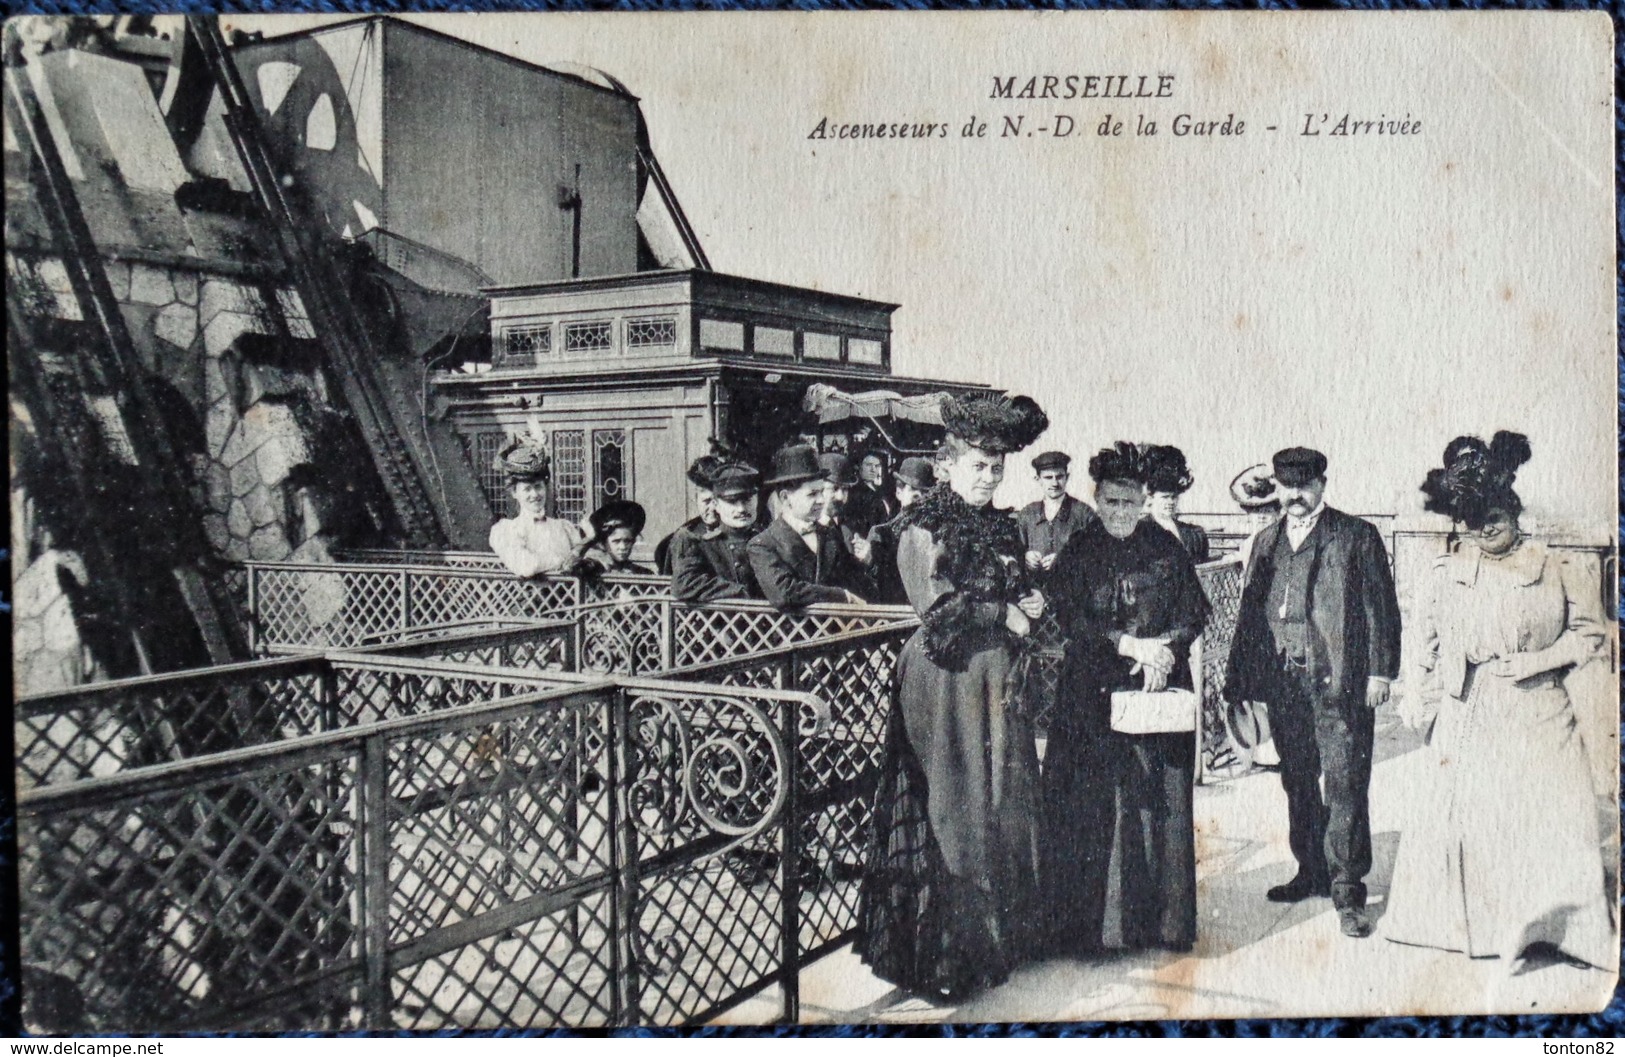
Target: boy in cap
x,y
1047,523
711,563
1317,638
798,561
530,543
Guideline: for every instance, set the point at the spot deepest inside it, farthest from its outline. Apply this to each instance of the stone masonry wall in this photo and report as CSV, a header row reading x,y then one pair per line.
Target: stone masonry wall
x,y
189,328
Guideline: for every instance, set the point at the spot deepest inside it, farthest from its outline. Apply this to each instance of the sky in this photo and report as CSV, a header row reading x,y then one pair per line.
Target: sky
x,y
1371,296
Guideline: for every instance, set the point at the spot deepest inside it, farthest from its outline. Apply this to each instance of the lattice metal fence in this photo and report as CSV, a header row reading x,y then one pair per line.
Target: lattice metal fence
x,y
417,844
626,624
344,605
1221,580
103,729
837,767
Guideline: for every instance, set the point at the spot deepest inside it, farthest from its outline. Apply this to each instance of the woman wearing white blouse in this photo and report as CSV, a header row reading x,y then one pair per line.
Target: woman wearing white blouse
x,y
530,543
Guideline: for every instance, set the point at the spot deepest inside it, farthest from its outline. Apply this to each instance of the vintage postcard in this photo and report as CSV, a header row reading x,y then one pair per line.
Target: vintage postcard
x,y
651,519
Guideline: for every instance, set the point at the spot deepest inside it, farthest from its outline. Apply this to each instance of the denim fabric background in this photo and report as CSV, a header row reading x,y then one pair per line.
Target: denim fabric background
x,y
1610,1022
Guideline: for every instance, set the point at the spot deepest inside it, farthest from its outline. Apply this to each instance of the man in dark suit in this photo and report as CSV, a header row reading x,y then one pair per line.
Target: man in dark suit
x,y
710,563
1317,638
870,501
842,483
797,561
1047,523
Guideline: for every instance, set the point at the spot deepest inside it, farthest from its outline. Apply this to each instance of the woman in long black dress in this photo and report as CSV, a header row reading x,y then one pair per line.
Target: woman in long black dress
x,y
1120,857
949,894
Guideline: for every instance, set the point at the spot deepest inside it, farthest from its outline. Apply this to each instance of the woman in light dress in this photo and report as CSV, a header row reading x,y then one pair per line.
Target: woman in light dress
x,y
1505,852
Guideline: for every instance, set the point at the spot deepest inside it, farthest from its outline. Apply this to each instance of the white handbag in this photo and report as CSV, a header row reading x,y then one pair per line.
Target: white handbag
x,y
1171,711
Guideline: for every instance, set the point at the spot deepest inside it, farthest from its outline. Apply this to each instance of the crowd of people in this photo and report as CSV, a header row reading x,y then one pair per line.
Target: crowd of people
x,y
983,857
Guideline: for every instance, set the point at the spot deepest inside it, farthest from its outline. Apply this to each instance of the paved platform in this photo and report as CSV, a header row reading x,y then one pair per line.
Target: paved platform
x,y
1253,957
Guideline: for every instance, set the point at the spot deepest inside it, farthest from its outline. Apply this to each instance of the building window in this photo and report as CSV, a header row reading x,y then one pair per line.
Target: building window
x,y
654,333
569,491
595,336
772,341
720,334
482,452
609,479
865,350
821,346
524,346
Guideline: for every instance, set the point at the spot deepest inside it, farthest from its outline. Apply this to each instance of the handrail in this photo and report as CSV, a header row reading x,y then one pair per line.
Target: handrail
x,y
473,628
174,774
652,789
790,649
291,662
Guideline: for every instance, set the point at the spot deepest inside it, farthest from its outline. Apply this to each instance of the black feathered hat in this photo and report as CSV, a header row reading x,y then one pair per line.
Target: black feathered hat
x,y
1120,462
994,422
1166,470
1477,478
703,470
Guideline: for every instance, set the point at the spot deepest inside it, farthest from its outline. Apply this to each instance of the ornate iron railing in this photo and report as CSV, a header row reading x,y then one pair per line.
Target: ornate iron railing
x,y
629,625
625,624
337,606
438,851
104,728
1218,752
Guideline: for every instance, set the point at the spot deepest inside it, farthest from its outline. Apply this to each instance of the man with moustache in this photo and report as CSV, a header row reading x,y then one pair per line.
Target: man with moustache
x,y
710,563
1317,637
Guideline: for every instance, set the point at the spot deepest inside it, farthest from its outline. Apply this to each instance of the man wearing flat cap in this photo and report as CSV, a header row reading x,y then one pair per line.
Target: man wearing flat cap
x,y
797,560
711,562
1317,638
1047,523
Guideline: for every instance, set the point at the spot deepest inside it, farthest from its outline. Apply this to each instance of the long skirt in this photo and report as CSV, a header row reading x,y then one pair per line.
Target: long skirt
x,y
1119,844
948,897
1503,849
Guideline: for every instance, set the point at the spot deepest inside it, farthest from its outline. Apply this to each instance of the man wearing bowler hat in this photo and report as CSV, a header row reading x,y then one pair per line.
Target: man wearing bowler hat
x,y
1047,523
842,481
798,561
1317,638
